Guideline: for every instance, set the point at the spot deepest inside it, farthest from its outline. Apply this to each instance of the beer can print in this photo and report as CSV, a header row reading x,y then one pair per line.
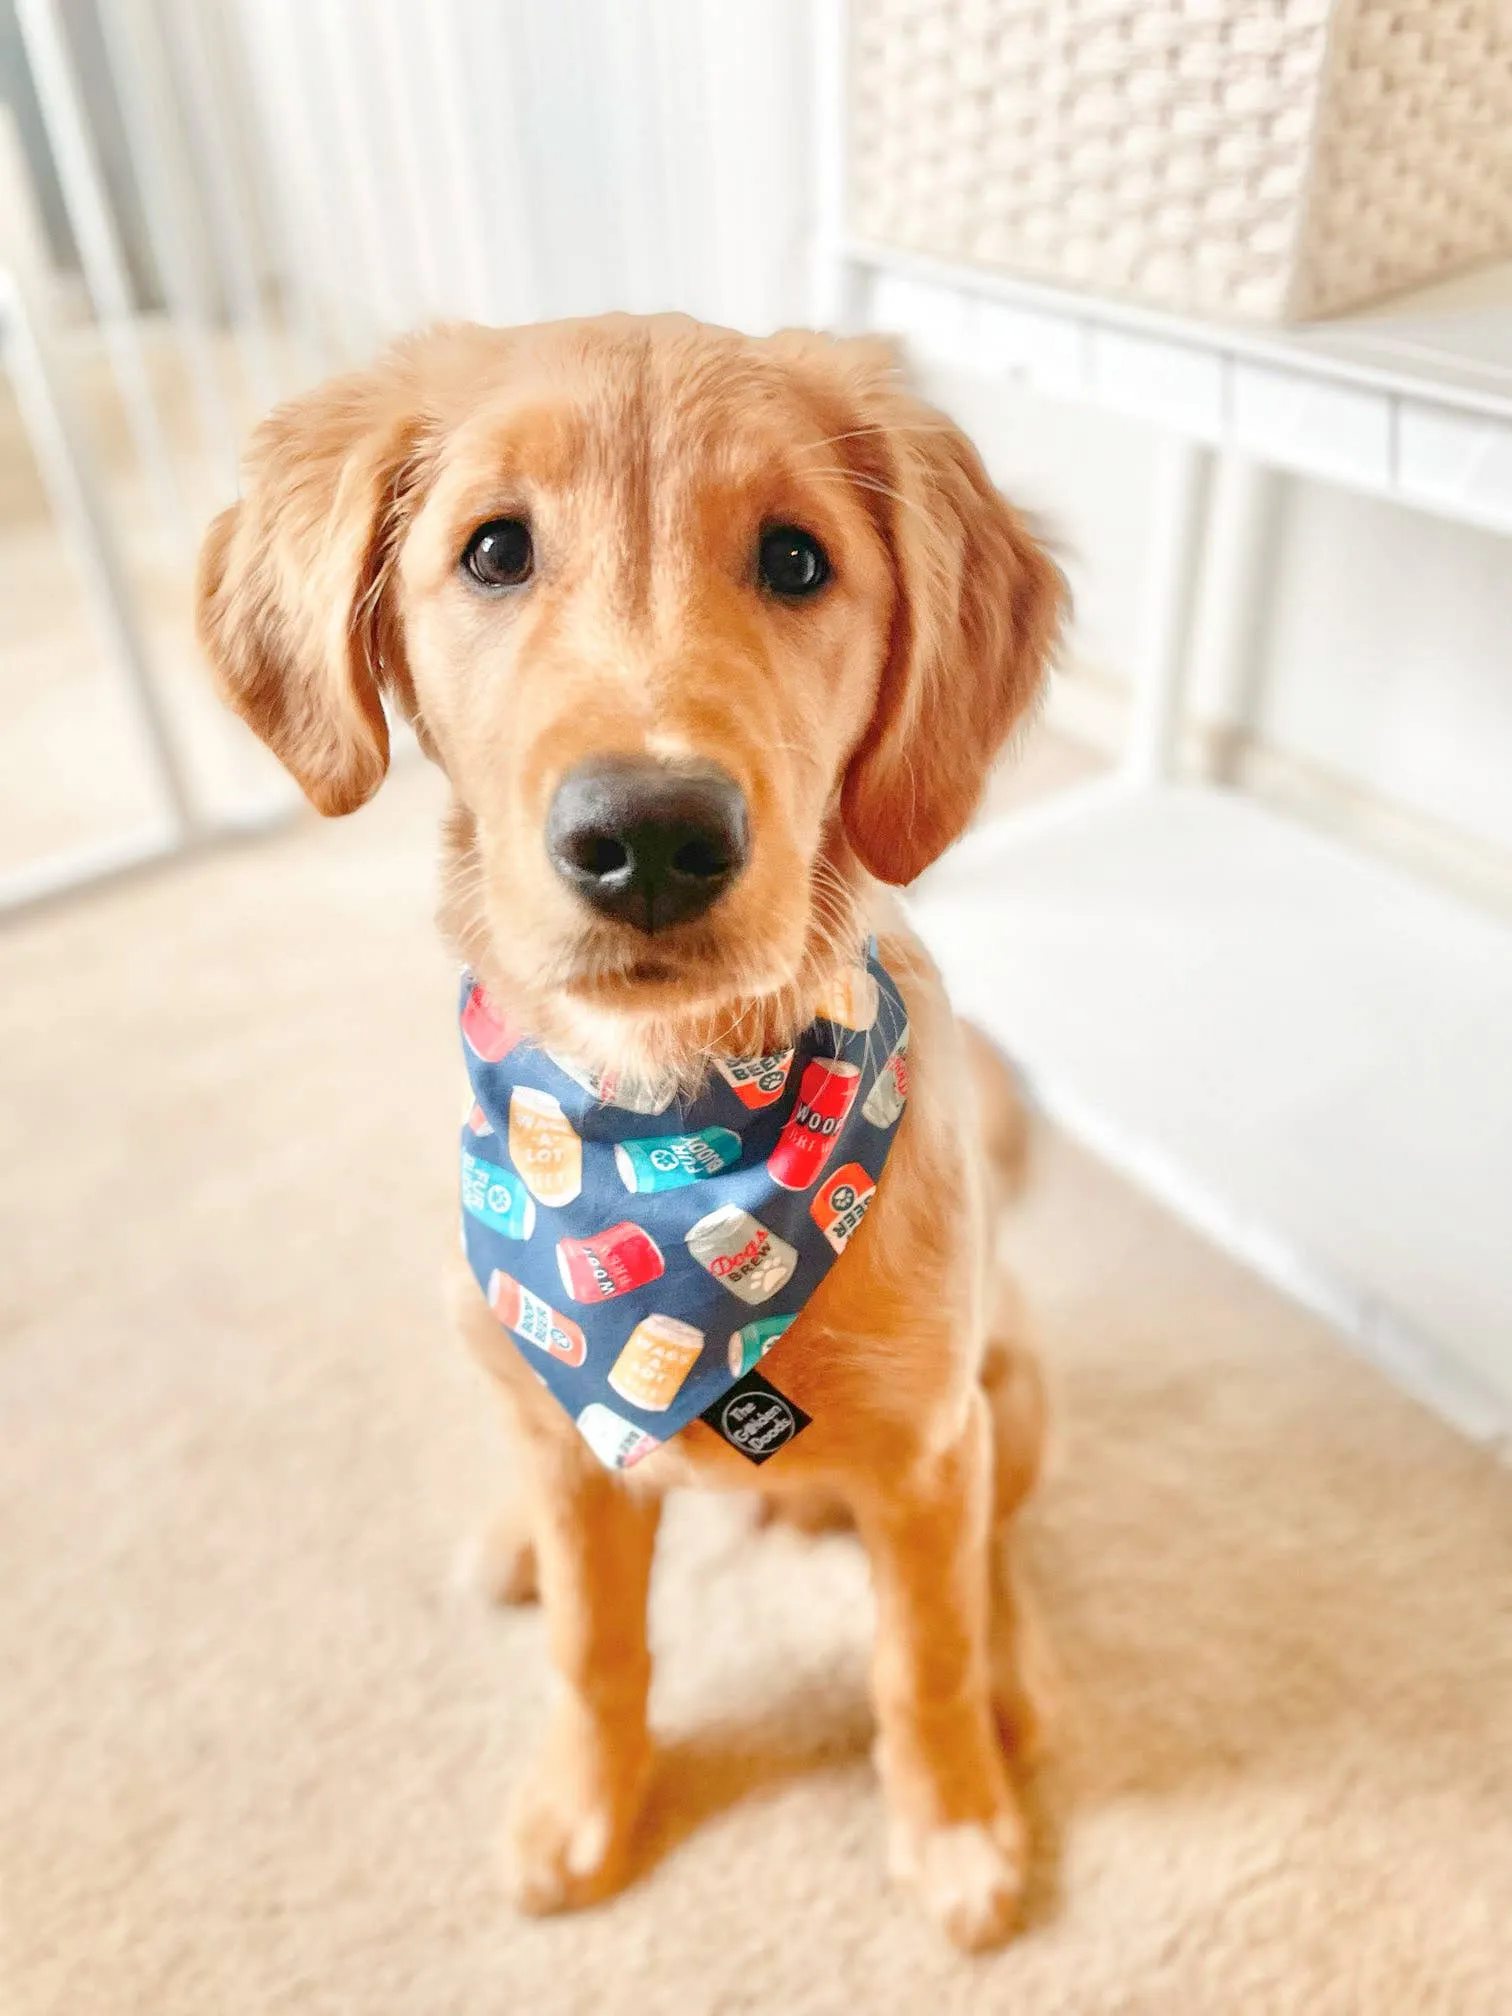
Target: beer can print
x,y
544,1147
751,1344
738,1250
667,1161
756,1081
887,1097
826,1094
610,1263
851,999
617,1443
659,1354
496,1198
841,1204
614,1088
534,1321
489,1033
477,1120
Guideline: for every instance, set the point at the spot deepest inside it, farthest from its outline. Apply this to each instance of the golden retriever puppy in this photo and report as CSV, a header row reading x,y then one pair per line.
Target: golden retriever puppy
x,y
715,640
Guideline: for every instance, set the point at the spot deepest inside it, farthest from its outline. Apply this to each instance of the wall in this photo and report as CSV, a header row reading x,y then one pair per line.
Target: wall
x,y
1383,664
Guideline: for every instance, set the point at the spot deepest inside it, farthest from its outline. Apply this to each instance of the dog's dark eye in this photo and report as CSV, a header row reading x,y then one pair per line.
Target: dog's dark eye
x,y
499,554
791,562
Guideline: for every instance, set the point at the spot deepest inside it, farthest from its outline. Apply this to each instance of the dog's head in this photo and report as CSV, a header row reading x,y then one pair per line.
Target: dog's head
x,y
699,628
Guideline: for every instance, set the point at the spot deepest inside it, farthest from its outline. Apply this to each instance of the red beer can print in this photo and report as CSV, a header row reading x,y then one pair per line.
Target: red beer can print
x,y
489,1034
826,1094
841,1203
610,1263
534,1321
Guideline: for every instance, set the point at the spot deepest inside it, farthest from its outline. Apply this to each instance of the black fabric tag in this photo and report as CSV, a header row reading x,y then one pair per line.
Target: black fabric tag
x,y
753,1417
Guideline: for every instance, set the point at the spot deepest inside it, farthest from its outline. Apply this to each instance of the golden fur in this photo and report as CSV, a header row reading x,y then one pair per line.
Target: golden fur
x,y
647,455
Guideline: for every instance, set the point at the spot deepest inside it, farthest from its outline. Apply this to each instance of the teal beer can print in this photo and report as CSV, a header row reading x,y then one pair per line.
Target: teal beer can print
x,y
667,1161
497,1198
750,1345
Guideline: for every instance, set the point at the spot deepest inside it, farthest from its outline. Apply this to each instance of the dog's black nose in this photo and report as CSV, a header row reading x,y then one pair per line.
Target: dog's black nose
x,y
650,843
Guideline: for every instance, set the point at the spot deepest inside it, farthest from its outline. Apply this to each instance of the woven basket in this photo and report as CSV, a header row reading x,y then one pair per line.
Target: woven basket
x,y
1274,159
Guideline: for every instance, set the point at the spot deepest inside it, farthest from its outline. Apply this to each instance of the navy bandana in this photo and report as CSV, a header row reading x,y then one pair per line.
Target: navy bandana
x,y
645,1250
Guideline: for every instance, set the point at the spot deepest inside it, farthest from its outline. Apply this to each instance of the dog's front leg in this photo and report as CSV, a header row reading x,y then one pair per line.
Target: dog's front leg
x,y
955,1831
594,1539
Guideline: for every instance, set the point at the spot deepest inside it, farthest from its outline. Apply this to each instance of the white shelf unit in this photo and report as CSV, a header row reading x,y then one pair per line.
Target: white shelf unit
x,y
1303,1050
1305,1054
1411,400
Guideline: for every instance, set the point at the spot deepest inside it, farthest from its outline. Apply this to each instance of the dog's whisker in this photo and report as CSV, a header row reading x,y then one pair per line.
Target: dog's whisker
x,y
883,429
855,481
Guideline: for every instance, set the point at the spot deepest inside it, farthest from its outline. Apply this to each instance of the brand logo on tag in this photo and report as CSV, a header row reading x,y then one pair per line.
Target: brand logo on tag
x,y
753,1417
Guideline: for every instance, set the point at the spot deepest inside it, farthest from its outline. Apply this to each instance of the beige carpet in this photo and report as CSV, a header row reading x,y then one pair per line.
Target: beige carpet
x,y
254,1749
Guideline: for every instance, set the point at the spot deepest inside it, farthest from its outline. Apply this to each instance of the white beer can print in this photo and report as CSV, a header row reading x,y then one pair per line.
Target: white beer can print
x,y
742,1253
613,1088
617,1443
887,1098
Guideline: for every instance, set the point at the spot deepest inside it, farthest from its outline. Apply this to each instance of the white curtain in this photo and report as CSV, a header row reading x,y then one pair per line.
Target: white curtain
x,y
509,160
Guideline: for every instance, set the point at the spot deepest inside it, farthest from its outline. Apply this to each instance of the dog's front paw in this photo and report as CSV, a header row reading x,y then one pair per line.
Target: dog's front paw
x,y
969,1875
569,1839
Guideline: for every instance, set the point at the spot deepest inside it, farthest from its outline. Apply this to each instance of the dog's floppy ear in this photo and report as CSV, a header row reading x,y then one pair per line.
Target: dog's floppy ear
x,y
291,604
977,613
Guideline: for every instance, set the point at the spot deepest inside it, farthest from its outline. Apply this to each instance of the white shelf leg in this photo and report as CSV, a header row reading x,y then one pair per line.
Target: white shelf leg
x,y
1175,551
1230,611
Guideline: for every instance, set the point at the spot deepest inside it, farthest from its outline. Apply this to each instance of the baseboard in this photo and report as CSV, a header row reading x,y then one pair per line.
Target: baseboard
x,y
1090,707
